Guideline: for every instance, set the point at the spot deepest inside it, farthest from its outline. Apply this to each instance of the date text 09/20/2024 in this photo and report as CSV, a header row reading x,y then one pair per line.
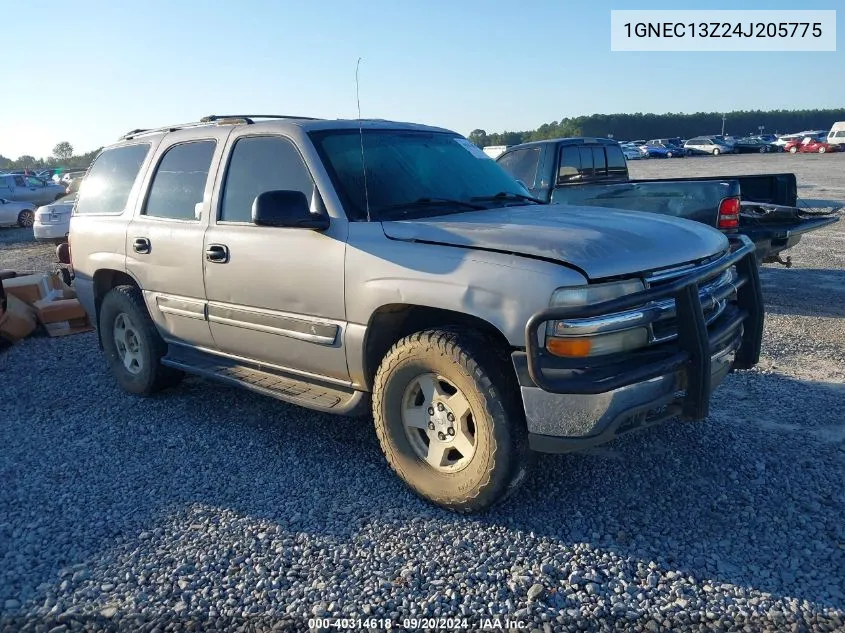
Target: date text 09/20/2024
x,y
410,624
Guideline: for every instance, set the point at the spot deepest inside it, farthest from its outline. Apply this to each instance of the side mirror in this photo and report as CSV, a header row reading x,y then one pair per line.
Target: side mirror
x,y
286,209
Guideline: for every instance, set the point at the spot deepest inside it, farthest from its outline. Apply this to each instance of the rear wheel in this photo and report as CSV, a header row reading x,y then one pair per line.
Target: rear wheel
x,y
716,152
448,418
26,218
793,150
132,345
822,149
762,150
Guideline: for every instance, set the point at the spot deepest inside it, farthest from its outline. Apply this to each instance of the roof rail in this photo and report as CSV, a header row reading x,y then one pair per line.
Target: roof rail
x,y
249,119
165,128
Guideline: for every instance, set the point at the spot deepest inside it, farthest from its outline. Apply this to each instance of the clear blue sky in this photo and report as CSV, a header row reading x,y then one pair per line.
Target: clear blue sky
x,y
89,70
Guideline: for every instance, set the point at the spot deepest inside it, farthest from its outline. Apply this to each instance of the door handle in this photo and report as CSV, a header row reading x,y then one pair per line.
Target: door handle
x,y
217,253
142,245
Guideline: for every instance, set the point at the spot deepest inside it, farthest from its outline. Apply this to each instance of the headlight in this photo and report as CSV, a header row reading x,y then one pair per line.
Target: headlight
x,y
560,340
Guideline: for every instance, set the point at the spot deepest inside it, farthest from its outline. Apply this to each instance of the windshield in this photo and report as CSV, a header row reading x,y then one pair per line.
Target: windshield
x,y
408,167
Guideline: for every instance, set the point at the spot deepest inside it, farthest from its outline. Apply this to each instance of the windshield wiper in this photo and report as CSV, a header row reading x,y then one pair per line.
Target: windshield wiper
x,y
508,195
430,202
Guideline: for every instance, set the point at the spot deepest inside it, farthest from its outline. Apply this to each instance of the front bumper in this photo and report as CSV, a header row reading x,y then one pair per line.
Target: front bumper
x,y
571,404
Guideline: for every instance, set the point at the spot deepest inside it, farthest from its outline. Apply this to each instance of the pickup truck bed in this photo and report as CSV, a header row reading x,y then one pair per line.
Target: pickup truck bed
x,y
605,183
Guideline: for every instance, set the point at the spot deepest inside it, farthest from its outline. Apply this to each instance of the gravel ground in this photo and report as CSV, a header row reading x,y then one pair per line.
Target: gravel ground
x,y
207,506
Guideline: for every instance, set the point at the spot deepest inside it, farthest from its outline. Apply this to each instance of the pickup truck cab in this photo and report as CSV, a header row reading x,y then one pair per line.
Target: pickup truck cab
x,y
22,188
593,172
413,279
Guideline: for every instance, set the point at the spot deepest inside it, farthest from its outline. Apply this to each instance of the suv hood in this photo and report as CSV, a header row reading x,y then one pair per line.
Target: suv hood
x,y
601,242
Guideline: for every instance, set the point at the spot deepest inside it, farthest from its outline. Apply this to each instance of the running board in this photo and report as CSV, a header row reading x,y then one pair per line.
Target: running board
x,y
269,382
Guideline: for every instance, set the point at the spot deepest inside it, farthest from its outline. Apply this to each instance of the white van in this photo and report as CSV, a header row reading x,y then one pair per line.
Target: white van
x,y
836,136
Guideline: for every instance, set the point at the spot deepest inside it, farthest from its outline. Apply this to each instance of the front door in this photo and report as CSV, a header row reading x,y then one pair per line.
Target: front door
x,y
275,295
21,191
164,241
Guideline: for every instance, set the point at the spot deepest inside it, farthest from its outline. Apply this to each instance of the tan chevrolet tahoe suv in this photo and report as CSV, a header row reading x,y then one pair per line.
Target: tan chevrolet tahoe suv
x,y
393,268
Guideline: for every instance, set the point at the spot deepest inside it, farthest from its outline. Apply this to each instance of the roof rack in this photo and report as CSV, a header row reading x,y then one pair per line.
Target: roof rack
x,y
219,119
250,118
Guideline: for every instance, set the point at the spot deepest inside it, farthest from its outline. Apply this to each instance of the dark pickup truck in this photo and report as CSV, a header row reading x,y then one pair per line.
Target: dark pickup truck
x,y
593,172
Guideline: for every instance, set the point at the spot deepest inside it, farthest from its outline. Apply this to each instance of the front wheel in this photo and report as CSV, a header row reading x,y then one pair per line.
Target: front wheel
x,y
793,150
132,345
448,418
822,150
716,152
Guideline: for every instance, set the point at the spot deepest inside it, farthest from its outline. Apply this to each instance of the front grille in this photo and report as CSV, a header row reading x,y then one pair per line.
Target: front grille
x,y
666,329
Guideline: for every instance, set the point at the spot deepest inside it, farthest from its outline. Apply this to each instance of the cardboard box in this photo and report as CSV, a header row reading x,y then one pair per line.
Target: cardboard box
x,y
59,290
73,326
54,311
29,288
18,321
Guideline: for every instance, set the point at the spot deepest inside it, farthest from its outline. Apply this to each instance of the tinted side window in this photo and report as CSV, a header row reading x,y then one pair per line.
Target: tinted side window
x,y
522,164
570,164
615,160
259,164
107,186
19,181
599,162
586,161
179,182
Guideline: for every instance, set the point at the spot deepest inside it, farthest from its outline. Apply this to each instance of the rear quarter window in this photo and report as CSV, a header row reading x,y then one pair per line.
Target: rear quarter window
x,y
615,160
108,184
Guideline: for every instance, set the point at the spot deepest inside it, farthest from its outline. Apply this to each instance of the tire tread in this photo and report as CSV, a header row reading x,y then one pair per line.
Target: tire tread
x,y
485,362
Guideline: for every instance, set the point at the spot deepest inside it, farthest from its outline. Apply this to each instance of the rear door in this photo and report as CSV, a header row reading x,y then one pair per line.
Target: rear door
x,y
164,241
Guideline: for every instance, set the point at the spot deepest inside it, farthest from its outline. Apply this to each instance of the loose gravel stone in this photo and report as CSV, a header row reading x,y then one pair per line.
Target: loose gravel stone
x,y
210,503
535,591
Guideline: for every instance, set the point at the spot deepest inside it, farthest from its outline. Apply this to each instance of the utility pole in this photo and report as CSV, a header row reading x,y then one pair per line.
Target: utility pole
x,y
723,123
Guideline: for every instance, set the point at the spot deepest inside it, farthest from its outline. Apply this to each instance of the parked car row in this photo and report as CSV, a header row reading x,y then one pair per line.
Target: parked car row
x,y
809,141
49,222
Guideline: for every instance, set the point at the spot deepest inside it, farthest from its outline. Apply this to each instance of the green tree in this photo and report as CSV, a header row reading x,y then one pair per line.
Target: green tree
x,y
63,151
627,126
479,137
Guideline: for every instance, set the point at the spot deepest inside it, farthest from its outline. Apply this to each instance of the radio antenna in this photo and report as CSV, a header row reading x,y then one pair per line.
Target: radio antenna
x,y
361,135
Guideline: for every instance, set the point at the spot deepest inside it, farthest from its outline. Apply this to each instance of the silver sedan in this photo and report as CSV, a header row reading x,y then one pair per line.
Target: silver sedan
x,y
16,213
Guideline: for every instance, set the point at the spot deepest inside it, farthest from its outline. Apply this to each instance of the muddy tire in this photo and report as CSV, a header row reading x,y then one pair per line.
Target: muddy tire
x,y
449,420
132,345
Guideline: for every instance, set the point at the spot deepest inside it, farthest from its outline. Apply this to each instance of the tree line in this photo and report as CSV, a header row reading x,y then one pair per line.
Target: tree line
x,y
647,126
63,157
